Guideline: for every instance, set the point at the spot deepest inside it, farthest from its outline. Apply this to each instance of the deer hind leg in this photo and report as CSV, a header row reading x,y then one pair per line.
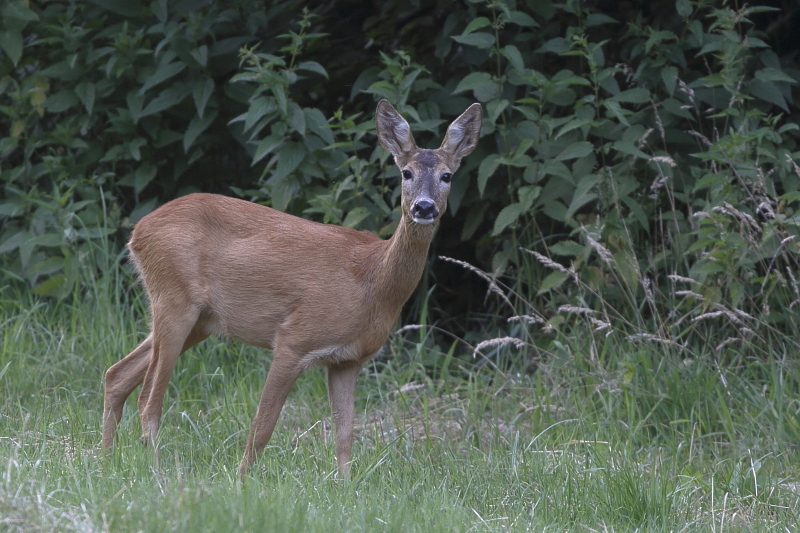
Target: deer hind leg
x,y
341,392
174,330
283,372
118,383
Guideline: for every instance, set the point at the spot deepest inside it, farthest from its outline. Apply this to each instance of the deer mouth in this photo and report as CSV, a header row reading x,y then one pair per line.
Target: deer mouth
x,y
424,211
424,220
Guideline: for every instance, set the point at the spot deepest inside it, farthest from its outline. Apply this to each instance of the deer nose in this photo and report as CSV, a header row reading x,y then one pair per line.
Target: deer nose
x,y
424,209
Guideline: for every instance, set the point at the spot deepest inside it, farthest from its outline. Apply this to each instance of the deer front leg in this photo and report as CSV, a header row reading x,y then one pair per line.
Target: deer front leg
x,y
283,372
341,392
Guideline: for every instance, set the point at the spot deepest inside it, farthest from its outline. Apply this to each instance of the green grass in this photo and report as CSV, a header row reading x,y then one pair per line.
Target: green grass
x,y
632,439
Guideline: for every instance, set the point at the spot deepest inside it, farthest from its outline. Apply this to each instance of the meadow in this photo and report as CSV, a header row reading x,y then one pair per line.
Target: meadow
x,y
627,437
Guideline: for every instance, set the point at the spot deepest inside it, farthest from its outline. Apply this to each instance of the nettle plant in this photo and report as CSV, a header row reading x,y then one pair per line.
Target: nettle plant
x,y
664,186
108,106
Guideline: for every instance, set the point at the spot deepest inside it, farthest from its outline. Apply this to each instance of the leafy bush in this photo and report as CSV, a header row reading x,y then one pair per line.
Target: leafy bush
x,y
649,159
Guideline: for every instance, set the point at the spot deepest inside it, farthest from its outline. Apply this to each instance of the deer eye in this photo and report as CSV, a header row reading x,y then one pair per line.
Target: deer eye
x,y
407,175
446,177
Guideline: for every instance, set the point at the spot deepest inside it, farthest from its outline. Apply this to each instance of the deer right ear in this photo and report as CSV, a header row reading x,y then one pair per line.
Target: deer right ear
x,y
394,133
462,135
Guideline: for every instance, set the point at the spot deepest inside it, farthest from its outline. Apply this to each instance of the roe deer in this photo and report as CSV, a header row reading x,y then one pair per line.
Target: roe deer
x,y
315,294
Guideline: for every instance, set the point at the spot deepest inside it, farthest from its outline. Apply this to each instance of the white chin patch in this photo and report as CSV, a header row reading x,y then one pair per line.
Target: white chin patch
x,y
423,220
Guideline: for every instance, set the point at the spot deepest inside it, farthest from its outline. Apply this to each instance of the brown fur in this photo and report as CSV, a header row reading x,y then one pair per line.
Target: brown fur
x,y
315,294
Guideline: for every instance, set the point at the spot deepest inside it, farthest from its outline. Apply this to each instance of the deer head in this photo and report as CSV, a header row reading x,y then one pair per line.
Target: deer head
x,y
426,174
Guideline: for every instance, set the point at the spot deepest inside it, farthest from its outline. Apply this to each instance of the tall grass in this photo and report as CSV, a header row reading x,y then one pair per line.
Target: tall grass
x,y
603,435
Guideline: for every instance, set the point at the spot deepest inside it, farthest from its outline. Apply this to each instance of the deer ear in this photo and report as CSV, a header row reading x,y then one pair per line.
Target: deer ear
x,y
462,134
394,133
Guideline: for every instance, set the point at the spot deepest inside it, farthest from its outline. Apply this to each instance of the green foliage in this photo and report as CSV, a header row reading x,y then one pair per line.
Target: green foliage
x,y
627,150
108,106
632,440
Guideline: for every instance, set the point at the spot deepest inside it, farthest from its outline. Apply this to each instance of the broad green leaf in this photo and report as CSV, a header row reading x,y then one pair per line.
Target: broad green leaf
x,y
134,146
313,66
47,266
568,249
143,176
514,57
527,195
316,122
51,286
494,108
478,40
571,125
675,107
383,89
637,95
582,194
11,43
162,73
638,212
658,37
520,18
127,8
575,150
507,216
289,158
297,119
472,81
200,94
61,101
768,92
627,266
555,210
259,108
684,8
557,45
596,19
197,126
486,169
48,240
476,24
11,209
19,10
552,167
86,92
135,103
281,193
617,112
200,54
166,99
669,75
94,233
627,147
552,281
280,98
355,217
266,146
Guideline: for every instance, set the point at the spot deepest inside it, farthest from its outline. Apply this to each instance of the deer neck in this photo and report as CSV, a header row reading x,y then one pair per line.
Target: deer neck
x,y
400,262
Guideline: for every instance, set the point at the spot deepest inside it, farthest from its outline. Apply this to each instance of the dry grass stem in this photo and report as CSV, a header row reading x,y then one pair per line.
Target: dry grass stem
x,y
664,159
546,261
498,342
653,338
690,294
493,288
682,279
601,250
700,136
577,310
527,319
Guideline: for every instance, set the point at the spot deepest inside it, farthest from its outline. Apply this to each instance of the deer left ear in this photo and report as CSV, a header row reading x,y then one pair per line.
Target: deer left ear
x,y
462,134
394,134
